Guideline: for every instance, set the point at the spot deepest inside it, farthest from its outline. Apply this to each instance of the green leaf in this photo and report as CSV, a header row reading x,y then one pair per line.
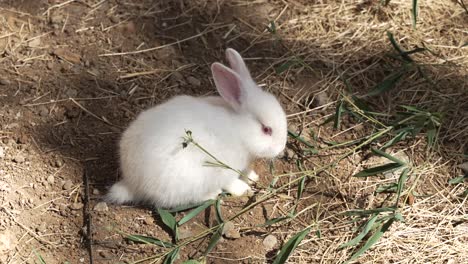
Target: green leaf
x,y
290,246
367,227
219,215
169,220
372,240
388,156
388,188
415,12
192,261
272,27
274,221
172,256
369,212
41,259
431,135
397,47
387,84
184,208
300,188
338,114
379,169
401,184
149,240
401,135
300,139
458,180
285,66
195,212
214,239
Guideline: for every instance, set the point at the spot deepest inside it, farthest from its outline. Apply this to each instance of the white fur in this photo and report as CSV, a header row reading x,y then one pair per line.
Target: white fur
x,y
157,169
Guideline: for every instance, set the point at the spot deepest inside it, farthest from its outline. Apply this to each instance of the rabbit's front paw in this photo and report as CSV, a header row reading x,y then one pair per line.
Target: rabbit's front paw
x,y
238,187
253,176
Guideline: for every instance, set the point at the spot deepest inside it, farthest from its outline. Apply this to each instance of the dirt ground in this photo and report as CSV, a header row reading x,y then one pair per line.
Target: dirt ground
x,y
73,74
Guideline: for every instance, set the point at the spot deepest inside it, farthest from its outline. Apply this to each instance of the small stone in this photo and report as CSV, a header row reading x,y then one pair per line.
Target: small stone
x,y
67,55
185,233
63,210
76,206
320,99
4,82
464,167
71,93
51,179
34,43
87,64
230,231
193,81
96,191
67,185
269,242
177,77
101,207
58,163
50,65
19,158
148,221
289,153
43,111
42,227
2,152
114,19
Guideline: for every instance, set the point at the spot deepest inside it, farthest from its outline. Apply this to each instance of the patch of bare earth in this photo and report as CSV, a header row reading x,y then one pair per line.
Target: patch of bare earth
x,y
73,74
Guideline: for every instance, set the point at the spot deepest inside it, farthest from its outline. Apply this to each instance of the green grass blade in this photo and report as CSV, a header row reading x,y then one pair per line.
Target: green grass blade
x,y
387,84
290,246
400,136
172,256
388,188
458,180
274,221
183,208
195,212
401,184
415,13
378,170
400,51
169,220
219,215
388,156
300,188
41,259
300,139
338,114
192,261
370,212
367,227
372,240
149,240
214,239
285,66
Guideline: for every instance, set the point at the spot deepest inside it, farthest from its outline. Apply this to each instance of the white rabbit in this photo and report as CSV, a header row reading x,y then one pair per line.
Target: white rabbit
x,y
244,123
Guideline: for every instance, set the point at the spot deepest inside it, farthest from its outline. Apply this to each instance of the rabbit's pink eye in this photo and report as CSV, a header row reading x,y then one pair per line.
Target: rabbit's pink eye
x,y
267,130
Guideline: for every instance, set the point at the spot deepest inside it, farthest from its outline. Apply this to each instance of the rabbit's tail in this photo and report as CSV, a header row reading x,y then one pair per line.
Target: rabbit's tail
x,y
119,194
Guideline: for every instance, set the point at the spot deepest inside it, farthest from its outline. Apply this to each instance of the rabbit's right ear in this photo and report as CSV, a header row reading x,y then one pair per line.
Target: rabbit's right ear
x,y
237,63
228,84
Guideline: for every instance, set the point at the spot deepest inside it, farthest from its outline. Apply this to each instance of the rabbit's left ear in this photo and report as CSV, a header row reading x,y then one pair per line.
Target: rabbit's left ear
x,y
237,64
229,85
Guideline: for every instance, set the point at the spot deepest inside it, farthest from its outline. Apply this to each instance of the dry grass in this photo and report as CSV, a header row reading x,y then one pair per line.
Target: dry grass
x,y
339,48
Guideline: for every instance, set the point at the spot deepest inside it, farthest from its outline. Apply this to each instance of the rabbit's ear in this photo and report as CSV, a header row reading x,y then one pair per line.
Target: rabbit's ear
x,y
228,84
237,63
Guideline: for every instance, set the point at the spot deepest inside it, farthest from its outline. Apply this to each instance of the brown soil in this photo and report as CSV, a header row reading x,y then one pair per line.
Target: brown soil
x,y
73,74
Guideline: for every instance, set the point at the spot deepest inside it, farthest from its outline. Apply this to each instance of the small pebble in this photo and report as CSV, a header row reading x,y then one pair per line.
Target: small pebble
x,y
96,191
43,111
176,76
464,167
269,242
67,185
4,82
58,163
321,99
19,158
230,231
76,206
51,179
193,81
42,227
101,207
